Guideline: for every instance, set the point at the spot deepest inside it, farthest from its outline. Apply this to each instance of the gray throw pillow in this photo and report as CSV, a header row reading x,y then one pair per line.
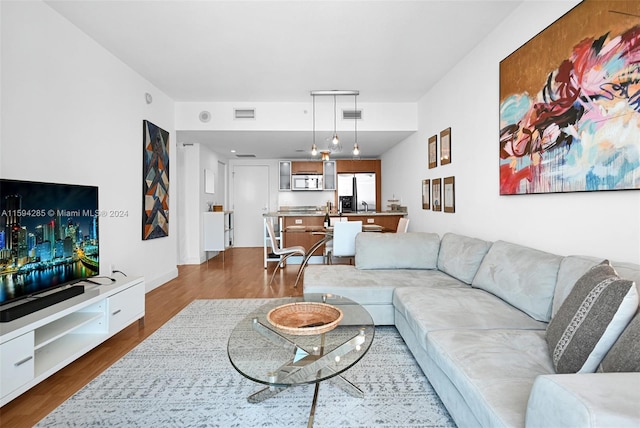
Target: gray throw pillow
x,y
591,319
624,355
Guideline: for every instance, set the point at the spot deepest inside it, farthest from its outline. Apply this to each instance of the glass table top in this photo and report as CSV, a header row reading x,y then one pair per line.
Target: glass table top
x,y
266,355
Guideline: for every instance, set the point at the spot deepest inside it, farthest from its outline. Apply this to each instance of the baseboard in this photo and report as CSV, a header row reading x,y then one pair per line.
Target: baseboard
x,y
153,283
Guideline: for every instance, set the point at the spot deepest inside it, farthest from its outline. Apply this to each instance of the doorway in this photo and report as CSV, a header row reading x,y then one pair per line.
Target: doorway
x,y
250,202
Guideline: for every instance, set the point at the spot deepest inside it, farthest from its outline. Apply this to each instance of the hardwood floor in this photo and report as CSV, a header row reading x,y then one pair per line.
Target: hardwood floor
x,y
241,275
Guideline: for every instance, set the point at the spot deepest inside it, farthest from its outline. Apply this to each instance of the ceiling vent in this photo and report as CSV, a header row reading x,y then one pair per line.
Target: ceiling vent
x,y
245,156
351,114
244,113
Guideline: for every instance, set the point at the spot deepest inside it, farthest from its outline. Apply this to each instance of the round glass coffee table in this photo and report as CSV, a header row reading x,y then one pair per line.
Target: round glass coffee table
x,y
264,354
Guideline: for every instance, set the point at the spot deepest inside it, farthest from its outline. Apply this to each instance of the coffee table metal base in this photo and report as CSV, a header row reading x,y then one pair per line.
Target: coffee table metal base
x,y
303,363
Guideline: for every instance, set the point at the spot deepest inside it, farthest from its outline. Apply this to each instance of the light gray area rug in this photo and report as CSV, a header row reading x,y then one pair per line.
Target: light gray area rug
x,y
180,376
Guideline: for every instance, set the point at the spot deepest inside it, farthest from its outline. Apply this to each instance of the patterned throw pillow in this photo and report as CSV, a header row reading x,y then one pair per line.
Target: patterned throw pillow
x,y
590,320
624,355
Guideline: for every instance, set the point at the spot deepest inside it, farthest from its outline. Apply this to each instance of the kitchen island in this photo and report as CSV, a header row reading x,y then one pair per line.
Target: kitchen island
x,y
302,227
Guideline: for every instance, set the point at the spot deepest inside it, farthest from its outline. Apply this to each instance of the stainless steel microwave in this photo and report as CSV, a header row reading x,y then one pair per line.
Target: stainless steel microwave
x,y
306,182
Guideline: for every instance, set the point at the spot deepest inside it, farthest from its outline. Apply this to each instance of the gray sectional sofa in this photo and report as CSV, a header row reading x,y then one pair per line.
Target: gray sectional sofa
x,y
475,315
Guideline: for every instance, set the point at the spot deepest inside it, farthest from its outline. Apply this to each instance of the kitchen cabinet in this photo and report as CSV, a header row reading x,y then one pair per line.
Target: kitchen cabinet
x,y
358,165
299,231
327,169
218,230
306,167
388,222
284,174
329,173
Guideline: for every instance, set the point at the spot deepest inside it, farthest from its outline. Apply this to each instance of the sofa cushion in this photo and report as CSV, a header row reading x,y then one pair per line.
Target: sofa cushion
x,y
590,319
415,250
370,287
522,276
573,267
493,370
430,309
624,355
460,256
585,400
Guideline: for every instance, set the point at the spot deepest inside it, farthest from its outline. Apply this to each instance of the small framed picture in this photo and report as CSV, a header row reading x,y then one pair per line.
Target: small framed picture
x,y
449,195
445,146
426,190
436,194
433,152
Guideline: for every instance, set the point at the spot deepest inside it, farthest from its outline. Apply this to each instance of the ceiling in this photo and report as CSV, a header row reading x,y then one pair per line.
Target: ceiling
x,y
278,51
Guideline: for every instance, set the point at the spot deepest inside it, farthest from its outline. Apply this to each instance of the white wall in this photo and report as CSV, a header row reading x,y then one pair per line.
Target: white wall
x,y
72,113
602,224
193,159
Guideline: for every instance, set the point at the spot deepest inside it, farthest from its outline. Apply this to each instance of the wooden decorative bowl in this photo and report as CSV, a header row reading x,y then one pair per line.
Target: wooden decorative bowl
x,y
305,318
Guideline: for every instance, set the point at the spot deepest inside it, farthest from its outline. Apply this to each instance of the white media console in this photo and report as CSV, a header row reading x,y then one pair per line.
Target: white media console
x,y
37,345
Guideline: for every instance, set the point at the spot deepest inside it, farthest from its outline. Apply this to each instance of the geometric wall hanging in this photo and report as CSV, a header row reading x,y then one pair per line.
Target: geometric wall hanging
x,y
155,182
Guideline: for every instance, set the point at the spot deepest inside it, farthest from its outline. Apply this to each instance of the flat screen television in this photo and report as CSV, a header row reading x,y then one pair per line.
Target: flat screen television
x,y
48,238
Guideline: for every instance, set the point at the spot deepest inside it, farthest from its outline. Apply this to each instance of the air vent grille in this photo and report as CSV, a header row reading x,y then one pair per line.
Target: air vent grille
x,y
245,156
244,113
352,114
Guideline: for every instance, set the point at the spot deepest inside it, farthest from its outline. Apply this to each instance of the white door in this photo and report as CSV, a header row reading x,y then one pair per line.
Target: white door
x,y
250,201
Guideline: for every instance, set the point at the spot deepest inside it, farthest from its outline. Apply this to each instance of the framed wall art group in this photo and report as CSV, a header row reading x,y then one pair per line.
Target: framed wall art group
x,y
439,194
570,117
445,149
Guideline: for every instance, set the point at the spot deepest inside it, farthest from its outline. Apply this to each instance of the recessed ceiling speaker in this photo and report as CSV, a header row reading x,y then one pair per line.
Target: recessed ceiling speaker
x,y
205,116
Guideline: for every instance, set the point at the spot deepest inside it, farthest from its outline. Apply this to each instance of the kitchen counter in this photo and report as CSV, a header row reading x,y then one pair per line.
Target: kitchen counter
x,y
333,214
301,227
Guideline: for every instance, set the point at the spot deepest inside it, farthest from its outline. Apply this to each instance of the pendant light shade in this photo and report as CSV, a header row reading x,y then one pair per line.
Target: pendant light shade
x,y
334,145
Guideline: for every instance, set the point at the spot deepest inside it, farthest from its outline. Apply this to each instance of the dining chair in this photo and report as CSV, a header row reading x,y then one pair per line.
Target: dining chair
x,y
403,225
278,250
344,239
328,245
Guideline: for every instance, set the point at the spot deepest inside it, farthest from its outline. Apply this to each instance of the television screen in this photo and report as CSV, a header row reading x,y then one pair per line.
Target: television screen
x,y
48,236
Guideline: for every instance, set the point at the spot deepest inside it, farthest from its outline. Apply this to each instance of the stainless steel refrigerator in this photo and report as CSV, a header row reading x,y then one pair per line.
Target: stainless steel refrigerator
x,y
364,184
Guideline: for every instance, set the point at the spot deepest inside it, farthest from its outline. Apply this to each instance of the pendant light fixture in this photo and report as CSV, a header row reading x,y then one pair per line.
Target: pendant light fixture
x,y
334,145
356,149
314,148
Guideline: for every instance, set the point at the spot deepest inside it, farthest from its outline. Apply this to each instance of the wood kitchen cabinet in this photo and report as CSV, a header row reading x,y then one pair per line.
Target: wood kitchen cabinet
x,y
358,165
389,223
306,167
299,231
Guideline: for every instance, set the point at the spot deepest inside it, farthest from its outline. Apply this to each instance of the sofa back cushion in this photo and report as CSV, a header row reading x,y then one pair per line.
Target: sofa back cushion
x,y
460,256
522,276
414,250
591,319
573,267
624,355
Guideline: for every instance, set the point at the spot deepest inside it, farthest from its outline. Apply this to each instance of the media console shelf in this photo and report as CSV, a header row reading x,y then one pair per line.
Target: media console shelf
x,y
37,345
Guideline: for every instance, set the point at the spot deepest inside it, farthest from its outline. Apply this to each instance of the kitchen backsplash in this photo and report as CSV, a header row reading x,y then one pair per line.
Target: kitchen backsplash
x,y
305,198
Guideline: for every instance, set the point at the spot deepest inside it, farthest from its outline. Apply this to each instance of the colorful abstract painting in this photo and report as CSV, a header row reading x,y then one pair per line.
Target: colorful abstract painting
x,y
155,187
570,104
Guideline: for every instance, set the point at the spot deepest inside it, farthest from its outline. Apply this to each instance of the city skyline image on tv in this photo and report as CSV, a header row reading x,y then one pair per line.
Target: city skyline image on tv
x,y
48,236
